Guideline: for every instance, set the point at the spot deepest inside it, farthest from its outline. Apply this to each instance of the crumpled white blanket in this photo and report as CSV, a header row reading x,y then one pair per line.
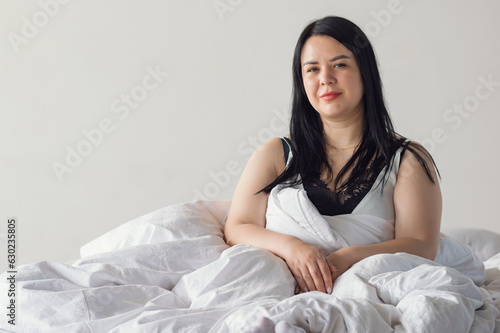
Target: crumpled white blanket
x,y
291,212
171,271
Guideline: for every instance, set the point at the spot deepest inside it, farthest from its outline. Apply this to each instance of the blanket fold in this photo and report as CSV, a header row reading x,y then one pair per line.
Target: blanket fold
x,y
171,271
290,212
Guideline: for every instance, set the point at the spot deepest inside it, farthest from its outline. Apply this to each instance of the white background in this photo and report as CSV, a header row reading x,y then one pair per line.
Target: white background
x,y
65,68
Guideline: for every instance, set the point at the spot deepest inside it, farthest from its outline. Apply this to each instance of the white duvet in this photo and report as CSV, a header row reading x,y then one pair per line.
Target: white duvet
x,y
171,271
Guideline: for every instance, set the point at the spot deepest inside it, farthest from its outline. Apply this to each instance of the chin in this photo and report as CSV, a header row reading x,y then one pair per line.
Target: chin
x,y
332,113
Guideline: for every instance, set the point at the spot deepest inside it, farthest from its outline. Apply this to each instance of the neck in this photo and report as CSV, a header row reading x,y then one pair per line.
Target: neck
x,y
343,134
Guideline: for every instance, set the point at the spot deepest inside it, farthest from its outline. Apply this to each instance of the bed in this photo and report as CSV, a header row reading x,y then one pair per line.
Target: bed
x,y
171,271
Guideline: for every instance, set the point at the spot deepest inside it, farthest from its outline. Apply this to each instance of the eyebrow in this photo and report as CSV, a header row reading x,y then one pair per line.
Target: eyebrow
x,y
342,56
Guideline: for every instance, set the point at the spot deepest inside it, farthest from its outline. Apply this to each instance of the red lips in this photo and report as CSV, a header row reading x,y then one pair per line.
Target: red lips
x,y
330,96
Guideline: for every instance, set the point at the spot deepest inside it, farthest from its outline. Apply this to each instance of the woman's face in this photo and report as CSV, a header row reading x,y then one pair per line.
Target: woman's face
x,y
332,78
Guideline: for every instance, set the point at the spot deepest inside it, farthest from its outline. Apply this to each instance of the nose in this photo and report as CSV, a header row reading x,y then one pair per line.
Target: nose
x,y
327,77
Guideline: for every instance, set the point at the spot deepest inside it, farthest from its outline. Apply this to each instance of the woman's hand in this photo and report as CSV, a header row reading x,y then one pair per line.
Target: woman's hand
x,y
342,260
310,267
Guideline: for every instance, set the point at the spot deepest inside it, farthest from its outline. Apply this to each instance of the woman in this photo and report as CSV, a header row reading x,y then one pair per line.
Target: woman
x,y
341,137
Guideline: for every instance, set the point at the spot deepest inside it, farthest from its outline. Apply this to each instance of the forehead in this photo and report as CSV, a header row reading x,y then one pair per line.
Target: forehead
x,y
319,46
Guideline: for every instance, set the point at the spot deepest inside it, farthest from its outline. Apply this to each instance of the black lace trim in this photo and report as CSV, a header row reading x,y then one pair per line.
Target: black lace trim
x,y
347,198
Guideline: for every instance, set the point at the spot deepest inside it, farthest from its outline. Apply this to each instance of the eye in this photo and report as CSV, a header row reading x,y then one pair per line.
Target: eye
x,y
338,65
312,69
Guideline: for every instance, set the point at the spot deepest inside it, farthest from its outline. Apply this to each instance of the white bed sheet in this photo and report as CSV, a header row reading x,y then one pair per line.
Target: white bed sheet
x,y
171,271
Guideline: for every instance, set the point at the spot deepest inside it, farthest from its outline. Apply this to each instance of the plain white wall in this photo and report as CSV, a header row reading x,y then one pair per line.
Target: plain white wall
x,y
221,84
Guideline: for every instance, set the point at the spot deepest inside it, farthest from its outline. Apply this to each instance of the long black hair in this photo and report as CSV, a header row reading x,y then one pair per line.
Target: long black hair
x,y
306,127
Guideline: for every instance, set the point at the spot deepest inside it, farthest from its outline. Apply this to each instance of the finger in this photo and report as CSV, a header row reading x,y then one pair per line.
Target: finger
x,y
326,276
317,276
335,273
299,277
307,280
300,281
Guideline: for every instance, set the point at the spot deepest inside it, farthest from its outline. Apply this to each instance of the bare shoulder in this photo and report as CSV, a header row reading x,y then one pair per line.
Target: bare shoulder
x,y
418,147
413,168
418,200
264,166
271,153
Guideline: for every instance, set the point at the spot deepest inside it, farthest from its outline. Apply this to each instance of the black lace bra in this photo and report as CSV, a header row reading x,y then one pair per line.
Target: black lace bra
x,y
347,198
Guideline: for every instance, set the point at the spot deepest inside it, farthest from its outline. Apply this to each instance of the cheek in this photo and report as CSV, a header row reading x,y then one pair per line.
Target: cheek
x,y
310,88
355,83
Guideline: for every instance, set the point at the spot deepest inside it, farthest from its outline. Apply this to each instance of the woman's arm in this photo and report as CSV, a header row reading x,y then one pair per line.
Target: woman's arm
x,y
418,206
246,221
